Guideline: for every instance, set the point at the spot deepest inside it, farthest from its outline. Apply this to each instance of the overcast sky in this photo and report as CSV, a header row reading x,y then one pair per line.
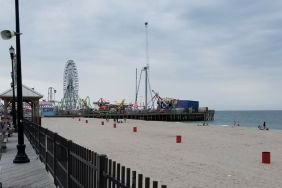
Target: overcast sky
x,y
225,54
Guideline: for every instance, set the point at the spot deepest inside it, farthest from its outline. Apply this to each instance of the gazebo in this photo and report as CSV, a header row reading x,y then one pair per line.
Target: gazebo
x,y
30,97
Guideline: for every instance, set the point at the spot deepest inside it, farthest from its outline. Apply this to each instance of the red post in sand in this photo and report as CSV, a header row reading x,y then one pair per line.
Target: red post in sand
x,y
86,121
266,157
114,125
178,139
134,129
78,119
102,123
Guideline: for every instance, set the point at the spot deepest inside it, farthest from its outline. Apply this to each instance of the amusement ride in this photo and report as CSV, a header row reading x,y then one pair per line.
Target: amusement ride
x,y
85,104
70,101
51,94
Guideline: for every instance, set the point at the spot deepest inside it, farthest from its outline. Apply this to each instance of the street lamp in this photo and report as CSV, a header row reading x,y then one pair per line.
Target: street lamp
x,y
12,54
21,156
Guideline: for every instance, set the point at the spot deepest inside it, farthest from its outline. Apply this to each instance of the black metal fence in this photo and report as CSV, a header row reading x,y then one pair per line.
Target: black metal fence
x,y
75,166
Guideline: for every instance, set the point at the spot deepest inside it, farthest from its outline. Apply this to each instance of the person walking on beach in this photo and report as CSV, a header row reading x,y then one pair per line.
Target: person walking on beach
x,y
234,123
264,126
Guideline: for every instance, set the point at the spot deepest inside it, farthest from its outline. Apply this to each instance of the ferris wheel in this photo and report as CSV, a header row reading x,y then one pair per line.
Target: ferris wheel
x,y
71,99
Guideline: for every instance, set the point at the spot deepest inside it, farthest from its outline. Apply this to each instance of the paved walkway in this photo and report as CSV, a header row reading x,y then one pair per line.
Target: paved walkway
x,y
28,175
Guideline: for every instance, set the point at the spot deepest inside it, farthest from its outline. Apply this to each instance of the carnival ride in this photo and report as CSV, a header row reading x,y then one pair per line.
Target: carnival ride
x,y
51,94
84,104
163,103
70,100
103,104
121,106
136,106
147,105
147,80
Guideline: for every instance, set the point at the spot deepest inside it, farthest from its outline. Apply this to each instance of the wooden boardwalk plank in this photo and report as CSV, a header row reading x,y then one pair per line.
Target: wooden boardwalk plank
x,y
32,174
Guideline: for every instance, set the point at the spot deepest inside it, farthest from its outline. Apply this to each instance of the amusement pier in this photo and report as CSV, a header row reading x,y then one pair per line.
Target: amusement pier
x,y
68,163
154,107
157,108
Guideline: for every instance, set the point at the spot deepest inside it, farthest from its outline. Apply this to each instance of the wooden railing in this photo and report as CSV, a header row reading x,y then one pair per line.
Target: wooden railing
x,y
73,166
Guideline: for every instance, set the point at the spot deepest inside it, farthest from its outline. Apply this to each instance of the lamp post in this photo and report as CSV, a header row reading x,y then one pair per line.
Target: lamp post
x,y
21,156
12,54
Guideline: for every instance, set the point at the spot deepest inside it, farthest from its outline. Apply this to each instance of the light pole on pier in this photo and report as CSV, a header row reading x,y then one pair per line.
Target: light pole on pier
x,y
12,54
21,156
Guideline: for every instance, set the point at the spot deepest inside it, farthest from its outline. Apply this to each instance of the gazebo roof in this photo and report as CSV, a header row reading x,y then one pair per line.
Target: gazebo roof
x,y
27,93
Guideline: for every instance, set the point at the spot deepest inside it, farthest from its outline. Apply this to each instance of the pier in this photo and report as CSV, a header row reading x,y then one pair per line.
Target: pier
x,y
147,116
199,116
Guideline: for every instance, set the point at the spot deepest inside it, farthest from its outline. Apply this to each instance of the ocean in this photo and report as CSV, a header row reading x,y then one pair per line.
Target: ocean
x,y
273,118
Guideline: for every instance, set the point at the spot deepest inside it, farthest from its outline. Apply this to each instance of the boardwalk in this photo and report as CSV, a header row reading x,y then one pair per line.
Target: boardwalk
x,y
26,175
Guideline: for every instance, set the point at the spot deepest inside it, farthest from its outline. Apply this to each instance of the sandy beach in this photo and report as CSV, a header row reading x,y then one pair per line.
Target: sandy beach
x,y
208,156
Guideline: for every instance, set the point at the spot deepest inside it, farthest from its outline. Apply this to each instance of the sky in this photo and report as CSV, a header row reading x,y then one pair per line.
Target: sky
x,y
225,54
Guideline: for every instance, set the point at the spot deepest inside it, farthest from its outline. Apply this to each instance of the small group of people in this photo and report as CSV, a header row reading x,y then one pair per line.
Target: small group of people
x,y
116,120
204,124
263,126
6,126
236,124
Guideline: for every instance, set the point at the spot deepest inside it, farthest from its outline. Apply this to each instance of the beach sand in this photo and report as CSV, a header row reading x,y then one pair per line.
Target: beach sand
x,y
208,156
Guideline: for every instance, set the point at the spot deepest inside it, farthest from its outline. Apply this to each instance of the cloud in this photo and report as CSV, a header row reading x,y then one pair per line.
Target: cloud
x,y
212,51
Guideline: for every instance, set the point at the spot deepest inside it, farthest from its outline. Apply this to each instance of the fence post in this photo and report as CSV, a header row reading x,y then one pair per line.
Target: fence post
x,y
69,163
44,142
46,149
55,158
102,181
38,140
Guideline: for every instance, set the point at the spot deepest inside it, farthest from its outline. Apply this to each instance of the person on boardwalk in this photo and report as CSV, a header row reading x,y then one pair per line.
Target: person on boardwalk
x,y
4,127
